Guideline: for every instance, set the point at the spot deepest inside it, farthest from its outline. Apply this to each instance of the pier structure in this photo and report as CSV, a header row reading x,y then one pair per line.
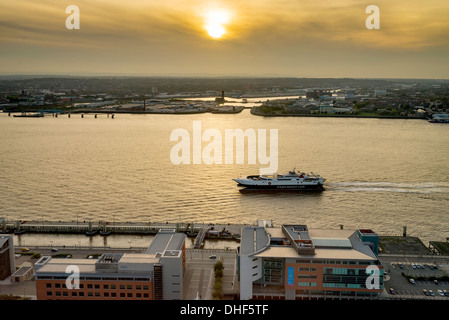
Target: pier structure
x,y
199,239
104,228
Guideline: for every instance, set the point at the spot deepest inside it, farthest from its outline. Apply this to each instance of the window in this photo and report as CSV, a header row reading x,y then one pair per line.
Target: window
x,y
48,285
306,269
106,286
97,286
307,284
49,293
306,276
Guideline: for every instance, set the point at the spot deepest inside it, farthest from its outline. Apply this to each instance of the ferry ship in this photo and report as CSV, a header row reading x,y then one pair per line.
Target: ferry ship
x,y
440,118
297,181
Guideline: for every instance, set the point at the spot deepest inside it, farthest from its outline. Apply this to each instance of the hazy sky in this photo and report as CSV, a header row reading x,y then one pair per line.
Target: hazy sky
x,y
300,38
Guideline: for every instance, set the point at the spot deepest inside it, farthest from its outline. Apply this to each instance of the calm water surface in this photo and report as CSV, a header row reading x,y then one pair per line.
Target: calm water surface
x,y
380,174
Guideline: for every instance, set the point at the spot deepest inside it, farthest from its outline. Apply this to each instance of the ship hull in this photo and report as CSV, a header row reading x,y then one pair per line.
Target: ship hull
x,y
316,187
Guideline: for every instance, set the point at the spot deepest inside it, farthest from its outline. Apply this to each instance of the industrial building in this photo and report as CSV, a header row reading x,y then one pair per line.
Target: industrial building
x,y
295,262
155,274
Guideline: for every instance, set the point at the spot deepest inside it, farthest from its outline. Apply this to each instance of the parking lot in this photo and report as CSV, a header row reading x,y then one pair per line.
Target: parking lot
x,y
408,279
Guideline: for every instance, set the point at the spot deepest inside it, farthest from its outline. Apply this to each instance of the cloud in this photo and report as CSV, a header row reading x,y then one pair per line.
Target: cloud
x,y
265,34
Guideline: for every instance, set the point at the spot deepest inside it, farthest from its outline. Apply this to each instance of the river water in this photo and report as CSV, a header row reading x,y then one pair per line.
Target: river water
x,y
380,174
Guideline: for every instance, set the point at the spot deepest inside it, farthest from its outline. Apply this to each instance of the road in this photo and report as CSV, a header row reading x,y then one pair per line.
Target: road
x,y
199,275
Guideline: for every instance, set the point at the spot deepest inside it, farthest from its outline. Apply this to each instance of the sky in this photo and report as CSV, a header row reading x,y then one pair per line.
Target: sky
x,y
258,38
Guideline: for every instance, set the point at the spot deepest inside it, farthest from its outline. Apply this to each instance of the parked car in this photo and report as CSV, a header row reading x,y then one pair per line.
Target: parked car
x,y
436,282
446,293
431,293
391,290
440,293
426,292
412,281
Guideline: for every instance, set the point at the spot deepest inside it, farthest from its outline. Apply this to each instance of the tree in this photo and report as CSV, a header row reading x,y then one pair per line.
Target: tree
x,y
218,285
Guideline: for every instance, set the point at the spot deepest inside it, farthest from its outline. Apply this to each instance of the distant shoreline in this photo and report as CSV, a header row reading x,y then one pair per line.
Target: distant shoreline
x,y
335,116
338,116
187,111
226,112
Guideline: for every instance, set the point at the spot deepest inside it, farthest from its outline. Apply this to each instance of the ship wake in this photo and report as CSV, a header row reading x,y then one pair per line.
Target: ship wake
x,y
407,187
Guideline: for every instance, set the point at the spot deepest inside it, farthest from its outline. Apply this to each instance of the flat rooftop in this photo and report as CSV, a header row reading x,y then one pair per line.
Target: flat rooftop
x,y
59,265
139,258
322,254
166,240
328,243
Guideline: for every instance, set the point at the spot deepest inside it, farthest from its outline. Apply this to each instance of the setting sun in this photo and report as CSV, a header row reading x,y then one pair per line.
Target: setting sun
x,y
216,21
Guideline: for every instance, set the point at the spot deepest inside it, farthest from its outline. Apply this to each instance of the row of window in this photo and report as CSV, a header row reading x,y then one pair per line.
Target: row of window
x,y
306,269
273,279
75,293
345,285
307,276
350,262
98,286
335,285
39,277
348,271
307,284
